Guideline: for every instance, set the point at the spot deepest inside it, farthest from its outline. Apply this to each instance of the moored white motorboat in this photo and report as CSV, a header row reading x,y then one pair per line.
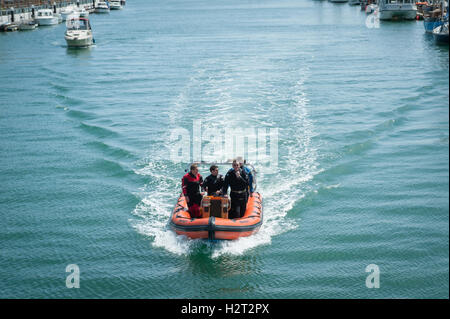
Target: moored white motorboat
x,y
82,12
10,27
65,12
397,9
27,25
79,32
46,17
102,7
115,5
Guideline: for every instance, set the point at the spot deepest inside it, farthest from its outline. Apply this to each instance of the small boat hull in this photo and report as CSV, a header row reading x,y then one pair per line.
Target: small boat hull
x,y
397,14
441,38
27,26
215,227
47,21
430,24
78,42
440,34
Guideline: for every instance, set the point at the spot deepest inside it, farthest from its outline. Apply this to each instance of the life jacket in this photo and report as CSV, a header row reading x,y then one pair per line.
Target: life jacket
x,y
191,184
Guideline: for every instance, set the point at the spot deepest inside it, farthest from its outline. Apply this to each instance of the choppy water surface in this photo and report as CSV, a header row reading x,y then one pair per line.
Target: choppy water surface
x,y
363,144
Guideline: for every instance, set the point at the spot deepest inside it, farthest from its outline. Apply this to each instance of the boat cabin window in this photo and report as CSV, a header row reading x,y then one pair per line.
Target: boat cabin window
x,y
77,24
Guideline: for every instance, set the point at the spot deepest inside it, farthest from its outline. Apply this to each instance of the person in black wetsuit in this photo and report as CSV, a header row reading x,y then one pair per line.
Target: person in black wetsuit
x,y
190,185
237,180
213,183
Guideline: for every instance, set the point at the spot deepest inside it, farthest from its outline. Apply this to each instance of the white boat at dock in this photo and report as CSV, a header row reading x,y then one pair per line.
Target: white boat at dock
x,y
115,5
67,11
78,33
354,2
27,25
82,12
102,7
397,9
46,17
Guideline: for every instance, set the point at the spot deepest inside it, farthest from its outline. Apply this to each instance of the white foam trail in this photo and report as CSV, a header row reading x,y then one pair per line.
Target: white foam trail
x,y
222,92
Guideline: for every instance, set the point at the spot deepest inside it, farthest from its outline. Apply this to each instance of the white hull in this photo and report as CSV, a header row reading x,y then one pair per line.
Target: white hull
x,y
47,21
115,5
397,14
64,15
67,12
79,42
83,14
26,26
101,10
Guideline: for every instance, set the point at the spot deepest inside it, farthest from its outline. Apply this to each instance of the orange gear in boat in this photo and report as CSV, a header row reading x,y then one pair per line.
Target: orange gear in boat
x,y
214,223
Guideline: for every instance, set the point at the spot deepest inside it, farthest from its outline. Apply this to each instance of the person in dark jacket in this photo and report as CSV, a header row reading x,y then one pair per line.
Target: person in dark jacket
x,y
237,180
190,185
213,183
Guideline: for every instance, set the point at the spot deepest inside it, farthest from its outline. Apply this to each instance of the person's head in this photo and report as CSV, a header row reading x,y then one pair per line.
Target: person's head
x,y
194,169
235,165
214,170
240,160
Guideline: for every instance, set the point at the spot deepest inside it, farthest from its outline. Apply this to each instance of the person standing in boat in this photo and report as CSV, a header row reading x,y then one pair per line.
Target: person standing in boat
x,y
190,185
237,180
249,176
213,183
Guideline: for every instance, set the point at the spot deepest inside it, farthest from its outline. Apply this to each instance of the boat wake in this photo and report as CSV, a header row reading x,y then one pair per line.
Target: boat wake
x,y
220,90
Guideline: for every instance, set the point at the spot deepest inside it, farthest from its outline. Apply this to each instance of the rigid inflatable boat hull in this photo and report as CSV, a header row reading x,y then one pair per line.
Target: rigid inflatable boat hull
x,y
215,227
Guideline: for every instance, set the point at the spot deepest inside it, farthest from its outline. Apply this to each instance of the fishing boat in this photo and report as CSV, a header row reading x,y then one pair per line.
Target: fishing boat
x,y
78,33
115,5
397,9
214,223
433,14
440,33
46,17
102,7
420,7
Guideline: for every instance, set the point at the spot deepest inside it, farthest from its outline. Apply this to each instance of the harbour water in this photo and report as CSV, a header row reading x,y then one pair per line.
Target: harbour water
x,y
363,152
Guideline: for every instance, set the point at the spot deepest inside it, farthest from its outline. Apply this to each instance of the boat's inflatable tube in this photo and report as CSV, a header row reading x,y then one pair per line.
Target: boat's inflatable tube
x,y
217,227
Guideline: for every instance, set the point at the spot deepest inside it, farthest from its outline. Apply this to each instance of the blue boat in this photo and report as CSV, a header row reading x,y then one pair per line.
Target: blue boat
x,y
440,34
431,23
433,16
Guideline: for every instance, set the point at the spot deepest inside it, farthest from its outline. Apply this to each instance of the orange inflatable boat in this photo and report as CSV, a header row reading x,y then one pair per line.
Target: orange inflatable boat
x,y
215,223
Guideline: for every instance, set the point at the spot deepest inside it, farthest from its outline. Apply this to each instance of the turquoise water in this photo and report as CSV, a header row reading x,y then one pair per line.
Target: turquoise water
x,y
363,152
